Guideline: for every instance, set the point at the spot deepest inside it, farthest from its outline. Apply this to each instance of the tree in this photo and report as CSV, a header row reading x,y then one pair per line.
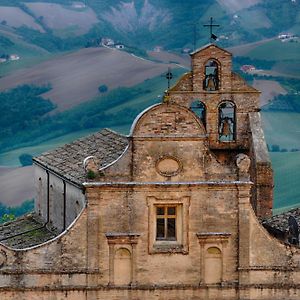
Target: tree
x,y
25,159
103,88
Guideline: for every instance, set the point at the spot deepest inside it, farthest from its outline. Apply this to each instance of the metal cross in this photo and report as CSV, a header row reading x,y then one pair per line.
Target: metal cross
x,y
169,76
211,25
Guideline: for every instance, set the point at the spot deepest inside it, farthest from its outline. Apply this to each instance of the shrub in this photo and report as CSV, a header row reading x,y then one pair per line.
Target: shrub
x,y
275,148
91,174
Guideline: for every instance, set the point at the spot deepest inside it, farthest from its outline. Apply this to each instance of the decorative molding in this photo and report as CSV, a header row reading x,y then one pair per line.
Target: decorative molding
x,y
168,166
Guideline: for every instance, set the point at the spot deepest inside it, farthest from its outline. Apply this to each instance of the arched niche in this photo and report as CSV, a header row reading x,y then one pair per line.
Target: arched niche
x,y
227,121
199,110
213,266
122,267
211,80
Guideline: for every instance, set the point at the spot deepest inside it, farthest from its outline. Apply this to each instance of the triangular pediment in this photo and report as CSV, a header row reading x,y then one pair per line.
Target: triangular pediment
x,y
209,46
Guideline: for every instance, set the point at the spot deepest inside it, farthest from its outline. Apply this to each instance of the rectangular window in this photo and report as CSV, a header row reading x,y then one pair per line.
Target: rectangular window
x,y
166,223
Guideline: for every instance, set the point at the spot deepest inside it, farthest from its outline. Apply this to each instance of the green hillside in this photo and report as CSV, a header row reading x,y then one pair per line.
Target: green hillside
x,y
287,180
162,22
116,109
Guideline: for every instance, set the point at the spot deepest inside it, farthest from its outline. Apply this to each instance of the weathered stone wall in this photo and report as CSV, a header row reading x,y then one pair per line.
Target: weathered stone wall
x,y
244,102
111,252
261,170
211,209
40,181
199,60
168,120
64,200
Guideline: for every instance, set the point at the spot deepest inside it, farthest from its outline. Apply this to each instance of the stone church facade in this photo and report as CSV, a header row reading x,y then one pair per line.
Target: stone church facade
x,y
172,211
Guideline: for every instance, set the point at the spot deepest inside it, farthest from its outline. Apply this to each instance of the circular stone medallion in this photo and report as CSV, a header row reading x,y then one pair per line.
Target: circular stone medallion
x,y
168,166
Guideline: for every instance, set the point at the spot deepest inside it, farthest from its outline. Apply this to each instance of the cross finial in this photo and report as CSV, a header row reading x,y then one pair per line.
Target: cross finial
x,y
169,76
211,25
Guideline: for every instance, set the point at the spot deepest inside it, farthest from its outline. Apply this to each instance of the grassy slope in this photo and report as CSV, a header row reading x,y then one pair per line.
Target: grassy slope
x,y
287,179
283,129
28,53
276,50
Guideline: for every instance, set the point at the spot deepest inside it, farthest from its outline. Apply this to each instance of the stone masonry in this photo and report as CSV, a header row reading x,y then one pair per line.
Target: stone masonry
x,y
171,211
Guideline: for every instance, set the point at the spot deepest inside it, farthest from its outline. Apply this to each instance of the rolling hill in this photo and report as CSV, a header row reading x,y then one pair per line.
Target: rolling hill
x,y
51,36
75,77
146,22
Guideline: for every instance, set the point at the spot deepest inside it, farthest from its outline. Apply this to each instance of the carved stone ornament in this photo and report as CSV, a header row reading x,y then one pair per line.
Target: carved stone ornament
x,y
243,163
168,166
3,258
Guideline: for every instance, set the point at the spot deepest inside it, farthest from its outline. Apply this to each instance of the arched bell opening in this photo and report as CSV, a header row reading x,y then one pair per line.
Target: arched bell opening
x,y
199,109
227,122
211,76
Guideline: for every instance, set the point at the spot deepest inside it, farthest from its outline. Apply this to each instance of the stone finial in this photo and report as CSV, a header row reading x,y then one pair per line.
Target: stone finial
x,y
166,97
243,163
90,165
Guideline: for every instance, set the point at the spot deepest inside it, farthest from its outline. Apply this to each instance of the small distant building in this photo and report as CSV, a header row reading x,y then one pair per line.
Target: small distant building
x,y
223,37
14,57
107,42
186,50
3,60
119,46
78,5
287,37
247,68
158,49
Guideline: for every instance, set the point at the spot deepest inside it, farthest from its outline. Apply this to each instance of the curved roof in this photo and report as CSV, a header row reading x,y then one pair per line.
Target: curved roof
x,y
154,122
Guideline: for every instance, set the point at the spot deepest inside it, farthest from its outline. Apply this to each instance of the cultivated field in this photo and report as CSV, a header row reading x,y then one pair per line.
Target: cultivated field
x,y
75,77
276,50
269,89
15,17
243,50
16,185
56,16
168,57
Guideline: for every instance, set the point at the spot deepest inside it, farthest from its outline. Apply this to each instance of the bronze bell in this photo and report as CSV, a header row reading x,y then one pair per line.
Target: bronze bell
x,y
211,83
226,130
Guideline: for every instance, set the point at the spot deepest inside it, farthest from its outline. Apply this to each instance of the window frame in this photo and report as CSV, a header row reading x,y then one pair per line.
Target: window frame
x,y
180,244
166,217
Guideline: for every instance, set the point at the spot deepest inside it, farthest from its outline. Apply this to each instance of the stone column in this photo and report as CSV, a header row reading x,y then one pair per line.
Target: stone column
x,y
244,237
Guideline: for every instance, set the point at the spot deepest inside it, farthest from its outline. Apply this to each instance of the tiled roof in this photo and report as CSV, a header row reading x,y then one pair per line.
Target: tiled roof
x,y
67,161
25,232
280,222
